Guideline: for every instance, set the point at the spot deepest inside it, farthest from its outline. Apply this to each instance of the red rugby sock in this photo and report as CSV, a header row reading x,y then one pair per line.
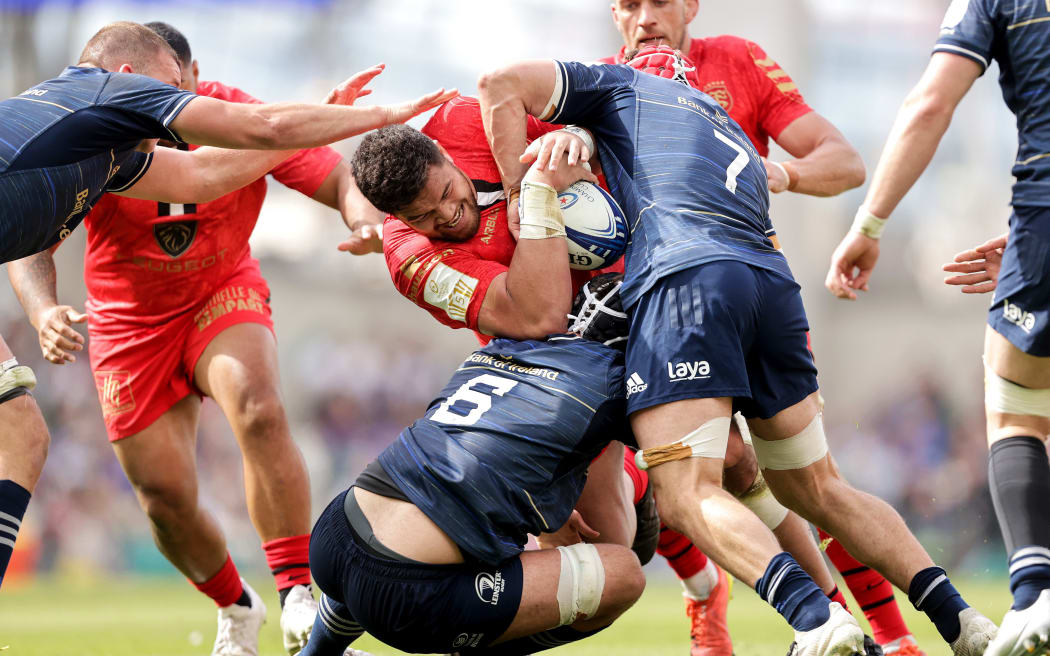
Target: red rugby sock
x,y
638,477
873,593
224,587
681,554
836,595
289,560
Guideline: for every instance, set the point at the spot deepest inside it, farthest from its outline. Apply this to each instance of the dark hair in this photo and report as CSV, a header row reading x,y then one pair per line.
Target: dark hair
x,y
176,39
391,166
124,42
597,312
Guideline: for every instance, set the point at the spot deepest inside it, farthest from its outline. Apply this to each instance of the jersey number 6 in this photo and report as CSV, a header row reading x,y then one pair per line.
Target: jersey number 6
x,y
471,400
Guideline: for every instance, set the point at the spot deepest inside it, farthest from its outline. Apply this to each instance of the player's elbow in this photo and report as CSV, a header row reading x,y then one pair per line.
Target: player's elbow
x,y
927,108
497,84
853,171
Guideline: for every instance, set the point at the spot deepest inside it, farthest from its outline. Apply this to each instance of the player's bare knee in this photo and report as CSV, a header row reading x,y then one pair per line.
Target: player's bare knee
x,y
740,477
167,502
624,581
261,418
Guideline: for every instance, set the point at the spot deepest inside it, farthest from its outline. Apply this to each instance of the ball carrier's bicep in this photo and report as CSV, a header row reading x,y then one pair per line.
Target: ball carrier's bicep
x,y
507,96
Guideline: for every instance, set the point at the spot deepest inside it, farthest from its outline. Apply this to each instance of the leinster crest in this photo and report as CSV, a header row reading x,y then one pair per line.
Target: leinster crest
x,y
175,237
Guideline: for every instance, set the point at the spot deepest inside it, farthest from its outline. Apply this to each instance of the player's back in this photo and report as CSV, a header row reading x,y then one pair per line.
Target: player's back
x,y
687,176
1016,34
66,141
503,451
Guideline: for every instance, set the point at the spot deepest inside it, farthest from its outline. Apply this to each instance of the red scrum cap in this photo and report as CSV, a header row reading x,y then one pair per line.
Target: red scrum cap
x,y
665,62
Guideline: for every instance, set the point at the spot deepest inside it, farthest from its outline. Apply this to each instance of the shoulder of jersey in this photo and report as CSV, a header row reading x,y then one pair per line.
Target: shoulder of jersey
x,y
220,91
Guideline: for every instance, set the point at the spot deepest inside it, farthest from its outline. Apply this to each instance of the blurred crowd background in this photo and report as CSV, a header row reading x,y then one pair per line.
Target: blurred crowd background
x,y
900,368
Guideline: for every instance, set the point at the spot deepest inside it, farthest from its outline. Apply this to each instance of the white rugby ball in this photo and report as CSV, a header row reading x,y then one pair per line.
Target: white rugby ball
x,y
595,227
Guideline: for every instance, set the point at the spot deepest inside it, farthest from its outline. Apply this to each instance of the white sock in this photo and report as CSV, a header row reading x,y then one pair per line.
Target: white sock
x,y
699,586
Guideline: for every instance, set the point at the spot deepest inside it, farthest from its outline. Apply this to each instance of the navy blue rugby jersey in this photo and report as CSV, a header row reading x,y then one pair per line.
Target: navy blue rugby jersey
x,y
68,140
688,178
1015,33
504,450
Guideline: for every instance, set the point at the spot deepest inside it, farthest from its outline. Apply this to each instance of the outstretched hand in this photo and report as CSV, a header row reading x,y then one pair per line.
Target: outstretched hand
x,y
354,87
401,112
977,269
366,239
57,338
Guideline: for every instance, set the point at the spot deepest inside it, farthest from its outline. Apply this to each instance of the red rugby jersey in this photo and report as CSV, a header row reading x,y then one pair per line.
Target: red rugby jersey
x,y
449,279
756,92
147,262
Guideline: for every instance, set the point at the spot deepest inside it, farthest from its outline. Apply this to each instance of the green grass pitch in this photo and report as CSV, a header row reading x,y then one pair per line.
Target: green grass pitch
x,y
166,617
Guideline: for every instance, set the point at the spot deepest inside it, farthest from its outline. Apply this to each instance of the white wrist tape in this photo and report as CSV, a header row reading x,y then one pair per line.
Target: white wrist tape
x,y
1004,396
787,178
539,212
867,223
581,582
795,452
583,134
760,500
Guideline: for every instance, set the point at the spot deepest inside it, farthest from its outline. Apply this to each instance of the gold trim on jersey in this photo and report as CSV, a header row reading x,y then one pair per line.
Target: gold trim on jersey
x,y
42,102
1034,157
1031,21
533,504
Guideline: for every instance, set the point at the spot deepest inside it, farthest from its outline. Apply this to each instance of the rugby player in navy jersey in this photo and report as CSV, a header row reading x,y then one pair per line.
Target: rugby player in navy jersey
x,y
68,140
425,551
1017,340
717,323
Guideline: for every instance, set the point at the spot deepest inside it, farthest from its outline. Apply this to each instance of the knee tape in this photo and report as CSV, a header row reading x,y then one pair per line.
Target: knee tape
x,y
581,582
15,379
795,452
760,500
1004,396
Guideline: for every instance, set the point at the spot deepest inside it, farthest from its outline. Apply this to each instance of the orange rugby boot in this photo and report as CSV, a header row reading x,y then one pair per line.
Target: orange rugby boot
x,y
708,628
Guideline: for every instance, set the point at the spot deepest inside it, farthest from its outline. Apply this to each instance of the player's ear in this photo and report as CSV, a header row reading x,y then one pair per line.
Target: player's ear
x,y
125,68
196,71
692,7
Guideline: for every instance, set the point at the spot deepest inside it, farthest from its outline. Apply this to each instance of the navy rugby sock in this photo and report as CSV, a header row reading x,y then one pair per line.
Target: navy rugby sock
x,y
786,587
14,499
932,593
1019,479
333,630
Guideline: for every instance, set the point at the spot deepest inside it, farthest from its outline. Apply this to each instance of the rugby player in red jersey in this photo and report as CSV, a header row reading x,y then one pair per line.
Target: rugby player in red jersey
x,y
767,104
178,309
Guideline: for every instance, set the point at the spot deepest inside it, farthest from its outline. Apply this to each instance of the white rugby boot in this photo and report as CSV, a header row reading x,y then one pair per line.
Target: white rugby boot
x,y
976,631
1025,631
839,636
297,618
238,633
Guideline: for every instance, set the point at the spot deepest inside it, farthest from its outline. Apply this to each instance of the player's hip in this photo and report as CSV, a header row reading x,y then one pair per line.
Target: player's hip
x,y
642,274
1020,310
412,606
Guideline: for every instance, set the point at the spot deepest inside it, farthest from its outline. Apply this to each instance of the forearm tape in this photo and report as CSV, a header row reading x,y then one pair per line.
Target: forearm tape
x,y
539,213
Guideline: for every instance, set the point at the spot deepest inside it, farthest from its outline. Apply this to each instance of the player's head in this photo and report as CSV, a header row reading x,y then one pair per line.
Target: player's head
x,y
597,312
662,61
401,171
654,22
125,47
178,42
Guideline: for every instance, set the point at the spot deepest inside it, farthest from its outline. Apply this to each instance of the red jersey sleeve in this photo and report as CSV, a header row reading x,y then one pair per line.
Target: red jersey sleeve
x,y
779,102
448,282
303,171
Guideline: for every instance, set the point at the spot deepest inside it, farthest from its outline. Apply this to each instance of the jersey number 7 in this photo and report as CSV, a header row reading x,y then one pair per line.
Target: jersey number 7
x,y
471,400
737,165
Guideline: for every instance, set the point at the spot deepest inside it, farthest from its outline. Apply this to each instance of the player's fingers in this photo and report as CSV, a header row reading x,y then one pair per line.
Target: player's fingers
x,y
557,150
980,289
965,267
543,157
845,284
76,317
65,331
967,279
969,255
861,280
65,344
574,152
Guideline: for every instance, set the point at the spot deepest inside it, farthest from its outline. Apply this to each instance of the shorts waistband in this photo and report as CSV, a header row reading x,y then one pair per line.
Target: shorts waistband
x,y
366,537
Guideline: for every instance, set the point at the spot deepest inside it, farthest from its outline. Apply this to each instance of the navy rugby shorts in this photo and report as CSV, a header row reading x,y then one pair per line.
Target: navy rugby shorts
x,y
1021,307
414,607
720,329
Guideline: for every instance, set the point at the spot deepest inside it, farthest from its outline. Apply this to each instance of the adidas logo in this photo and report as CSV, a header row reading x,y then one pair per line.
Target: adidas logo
x,y
635,384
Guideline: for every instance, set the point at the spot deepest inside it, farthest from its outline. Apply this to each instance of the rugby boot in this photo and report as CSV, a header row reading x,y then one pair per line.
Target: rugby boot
x,y
708,629
872,648
839,636
297,618
1025,631
903,646
976,631
239,626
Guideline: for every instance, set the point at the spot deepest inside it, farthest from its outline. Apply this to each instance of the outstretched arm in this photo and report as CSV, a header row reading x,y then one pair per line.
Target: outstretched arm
x,y
202,175
281,126
920,124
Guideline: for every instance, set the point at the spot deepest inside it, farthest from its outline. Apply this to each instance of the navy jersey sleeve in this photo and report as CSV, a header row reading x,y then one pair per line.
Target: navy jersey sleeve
x,y
582,92
144,103
969,30
131,171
